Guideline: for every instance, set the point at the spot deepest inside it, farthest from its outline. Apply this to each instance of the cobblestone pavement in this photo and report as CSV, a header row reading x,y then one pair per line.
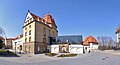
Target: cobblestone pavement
x,y
94,58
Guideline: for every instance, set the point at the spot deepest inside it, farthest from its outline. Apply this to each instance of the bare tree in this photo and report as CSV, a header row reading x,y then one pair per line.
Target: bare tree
x,y
105,42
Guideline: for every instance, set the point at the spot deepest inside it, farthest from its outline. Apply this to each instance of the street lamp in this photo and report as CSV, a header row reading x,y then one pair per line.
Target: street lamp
x,y
15,47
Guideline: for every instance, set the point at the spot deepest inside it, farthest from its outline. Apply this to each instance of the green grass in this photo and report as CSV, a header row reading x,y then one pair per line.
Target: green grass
x,y
3,51
67,55
51,54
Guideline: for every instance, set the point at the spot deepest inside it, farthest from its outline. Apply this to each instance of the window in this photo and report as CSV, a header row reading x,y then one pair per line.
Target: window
x,y
44,40
49,34
38,49
53,33
29,39
25,40
25,28
30,26
25,33
30,19
44,31
30,32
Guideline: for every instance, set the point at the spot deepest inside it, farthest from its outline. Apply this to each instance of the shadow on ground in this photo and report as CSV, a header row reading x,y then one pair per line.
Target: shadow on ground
x,y
6,53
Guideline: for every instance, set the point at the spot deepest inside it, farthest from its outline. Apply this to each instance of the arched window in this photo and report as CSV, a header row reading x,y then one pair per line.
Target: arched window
x,y
30,32
26,28
49,34
29,39
44,33
30,26
25,40
53,34
25,33
44,40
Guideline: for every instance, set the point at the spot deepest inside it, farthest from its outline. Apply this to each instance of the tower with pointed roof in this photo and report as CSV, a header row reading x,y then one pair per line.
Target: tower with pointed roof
x,y
37,32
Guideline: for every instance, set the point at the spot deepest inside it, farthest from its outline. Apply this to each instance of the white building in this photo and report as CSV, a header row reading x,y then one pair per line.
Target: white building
x,y
18,43
118,37
89,44
66,48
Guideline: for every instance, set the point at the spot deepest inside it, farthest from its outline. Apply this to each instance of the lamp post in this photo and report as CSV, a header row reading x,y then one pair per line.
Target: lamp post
x,y
15,47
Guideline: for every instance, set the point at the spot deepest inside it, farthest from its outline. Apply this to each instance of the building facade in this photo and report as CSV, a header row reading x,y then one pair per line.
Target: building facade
x,y
9,43
68,44
17,43
74,44
118,37
37,32
90,44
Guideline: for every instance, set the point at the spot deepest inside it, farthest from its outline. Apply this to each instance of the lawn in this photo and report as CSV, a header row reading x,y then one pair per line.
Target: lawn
x,y
7,53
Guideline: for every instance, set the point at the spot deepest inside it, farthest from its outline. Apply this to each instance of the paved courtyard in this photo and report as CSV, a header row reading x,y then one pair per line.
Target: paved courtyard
x,y
94,58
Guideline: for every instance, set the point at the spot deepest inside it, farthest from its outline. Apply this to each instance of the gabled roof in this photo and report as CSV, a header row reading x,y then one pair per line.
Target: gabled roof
x,y
36,17
88,40
18,37
46,19
118,29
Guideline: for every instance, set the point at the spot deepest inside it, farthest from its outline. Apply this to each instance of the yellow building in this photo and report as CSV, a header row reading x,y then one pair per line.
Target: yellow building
x,y
37,31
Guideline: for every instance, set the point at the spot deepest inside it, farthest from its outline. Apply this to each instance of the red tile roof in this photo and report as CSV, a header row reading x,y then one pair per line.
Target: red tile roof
x,y
18,37
46,19
36,17
10,38
88,40
118,29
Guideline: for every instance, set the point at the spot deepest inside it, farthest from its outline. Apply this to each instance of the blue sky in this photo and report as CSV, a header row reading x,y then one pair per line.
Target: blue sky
x,y
78,17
